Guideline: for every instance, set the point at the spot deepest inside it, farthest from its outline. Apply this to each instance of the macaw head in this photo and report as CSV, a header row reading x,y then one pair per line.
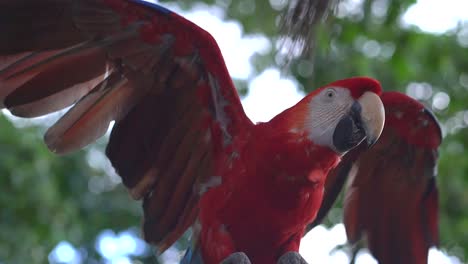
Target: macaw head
x,y
342,114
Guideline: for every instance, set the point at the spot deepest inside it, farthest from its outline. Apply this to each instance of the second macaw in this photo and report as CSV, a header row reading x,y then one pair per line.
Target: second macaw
x,y
181,140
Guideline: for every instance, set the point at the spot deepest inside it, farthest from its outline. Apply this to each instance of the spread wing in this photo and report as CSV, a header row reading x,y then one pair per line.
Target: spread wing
x,y
161,79
391,198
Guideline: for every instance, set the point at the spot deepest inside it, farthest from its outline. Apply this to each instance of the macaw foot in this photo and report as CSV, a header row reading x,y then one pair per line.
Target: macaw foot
x,y
236,258
291,258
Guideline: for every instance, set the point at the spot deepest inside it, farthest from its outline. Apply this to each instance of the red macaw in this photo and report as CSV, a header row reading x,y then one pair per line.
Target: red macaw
x,y
391,199
181,140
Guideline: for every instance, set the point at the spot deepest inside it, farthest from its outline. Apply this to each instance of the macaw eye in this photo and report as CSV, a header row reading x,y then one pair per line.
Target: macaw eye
x,y
330,94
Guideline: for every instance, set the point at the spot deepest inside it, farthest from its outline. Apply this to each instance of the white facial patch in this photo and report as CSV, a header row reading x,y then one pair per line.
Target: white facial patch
x,y
326,109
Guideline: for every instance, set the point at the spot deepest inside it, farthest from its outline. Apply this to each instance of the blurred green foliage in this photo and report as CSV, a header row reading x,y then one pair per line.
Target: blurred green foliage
x,y
45,199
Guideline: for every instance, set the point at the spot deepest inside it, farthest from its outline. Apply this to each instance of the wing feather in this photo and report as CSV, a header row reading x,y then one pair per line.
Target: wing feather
x,y
160,77
6,61
55,78
89,119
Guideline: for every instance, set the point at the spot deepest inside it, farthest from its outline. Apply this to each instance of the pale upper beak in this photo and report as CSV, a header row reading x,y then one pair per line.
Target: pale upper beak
x,y
365,120
372,116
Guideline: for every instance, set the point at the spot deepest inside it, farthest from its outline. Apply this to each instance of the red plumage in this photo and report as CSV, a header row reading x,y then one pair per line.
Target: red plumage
x,y
181,141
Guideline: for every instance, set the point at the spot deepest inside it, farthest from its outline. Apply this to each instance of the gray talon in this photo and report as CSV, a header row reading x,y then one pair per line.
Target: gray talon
x,y
291,258
236,258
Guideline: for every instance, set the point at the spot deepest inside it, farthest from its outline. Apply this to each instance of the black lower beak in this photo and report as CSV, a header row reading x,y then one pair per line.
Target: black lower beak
x,y
349,131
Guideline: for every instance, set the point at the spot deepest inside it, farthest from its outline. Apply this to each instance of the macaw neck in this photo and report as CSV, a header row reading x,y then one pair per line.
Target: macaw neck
x,y
291,154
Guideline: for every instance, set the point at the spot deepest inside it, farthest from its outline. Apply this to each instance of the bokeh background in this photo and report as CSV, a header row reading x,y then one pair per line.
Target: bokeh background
x,y
73,209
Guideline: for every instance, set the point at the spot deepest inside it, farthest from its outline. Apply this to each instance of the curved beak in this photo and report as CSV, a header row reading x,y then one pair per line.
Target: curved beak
x,y
372,116
365,120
